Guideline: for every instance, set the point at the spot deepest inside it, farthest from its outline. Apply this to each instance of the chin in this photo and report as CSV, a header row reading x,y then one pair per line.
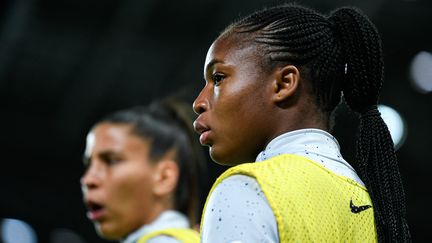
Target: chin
x,y
107,234
222,159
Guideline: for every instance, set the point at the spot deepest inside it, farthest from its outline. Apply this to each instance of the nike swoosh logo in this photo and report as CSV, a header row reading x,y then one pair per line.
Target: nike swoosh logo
x,y
358,209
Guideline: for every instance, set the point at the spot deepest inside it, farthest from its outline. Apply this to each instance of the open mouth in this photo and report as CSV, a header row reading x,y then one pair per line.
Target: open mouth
x,y
95,211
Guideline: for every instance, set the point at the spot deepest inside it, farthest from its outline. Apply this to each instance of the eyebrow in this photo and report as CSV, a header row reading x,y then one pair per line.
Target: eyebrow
x,y
104,155
211,64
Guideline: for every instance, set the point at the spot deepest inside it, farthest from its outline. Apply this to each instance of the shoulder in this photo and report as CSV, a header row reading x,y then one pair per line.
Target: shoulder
x,y
237,209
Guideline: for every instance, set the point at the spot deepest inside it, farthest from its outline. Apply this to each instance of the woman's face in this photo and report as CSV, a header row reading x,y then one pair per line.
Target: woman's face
x,y
117,183
233,106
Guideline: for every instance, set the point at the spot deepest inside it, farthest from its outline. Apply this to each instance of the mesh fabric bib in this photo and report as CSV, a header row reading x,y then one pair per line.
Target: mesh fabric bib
x,y
309,202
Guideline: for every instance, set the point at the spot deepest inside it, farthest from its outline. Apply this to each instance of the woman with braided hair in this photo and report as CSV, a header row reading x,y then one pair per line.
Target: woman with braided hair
x,y
273,80
141,178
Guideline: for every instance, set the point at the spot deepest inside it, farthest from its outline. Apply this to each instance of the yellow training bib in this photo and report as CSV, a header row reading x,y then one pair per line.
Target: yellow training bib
x,y
311,203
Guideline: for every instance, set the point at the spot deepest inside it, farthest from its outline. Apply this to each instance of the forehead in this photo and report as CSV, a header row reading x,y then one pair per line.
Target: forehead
x,y
112,136
232,49
111,132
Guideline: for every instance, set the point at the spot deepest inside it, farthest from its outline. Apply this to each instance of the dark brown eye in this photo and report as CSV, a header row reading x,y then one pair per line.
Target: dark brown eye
x,y
217,78
110,158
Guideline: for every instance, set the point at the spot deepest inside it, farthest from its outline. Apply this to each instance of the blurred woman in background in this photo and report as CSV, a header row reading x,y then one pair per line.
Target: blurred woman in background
x,y
141,178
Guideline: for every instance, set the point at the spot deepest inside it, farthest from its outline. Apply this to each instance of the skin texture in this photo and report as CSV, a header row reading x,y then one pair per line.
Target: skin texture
x,y
232,107
123,182
242,106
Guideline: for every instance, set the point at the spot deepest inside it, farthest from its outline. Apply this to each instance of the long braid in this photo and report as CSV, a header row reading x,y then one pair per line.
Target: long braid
x,y
375,150
342,52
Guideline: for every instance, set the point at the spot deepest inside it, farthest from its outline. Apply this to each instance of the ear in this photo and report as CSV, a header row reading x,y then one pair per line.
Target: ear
x,y
165,178
286,83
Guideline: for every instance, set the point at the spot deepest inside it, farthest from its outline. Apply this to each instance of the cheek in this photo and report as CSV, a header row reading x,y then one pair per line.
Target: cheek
x,y
129,186
130,197
228,98
240,114
236,103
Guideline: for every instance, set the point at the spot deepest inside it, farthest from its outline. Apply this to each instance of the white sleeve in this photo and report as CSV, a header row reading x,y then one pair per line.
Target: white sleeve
x,y
238,211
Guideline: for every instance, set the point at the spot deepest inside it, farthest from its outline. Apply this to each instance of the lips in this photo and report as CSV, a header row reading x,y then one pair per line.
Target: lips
x,y
203,130
95,211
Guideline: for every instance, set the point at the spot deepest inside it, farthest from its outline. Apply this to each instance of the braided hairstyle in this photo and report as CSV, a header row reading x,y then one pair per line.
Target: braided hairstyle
x,y
341,56
167,124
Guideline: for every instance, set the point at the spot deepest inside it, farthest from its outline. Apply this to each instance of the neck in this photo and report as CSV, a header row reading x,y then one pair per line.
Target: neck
x,y
161,205
300,116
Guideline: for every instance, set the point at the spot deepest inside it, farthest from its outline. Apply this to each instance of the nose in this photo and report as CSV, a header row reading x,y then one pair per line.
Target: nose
x,y
91,178
201,103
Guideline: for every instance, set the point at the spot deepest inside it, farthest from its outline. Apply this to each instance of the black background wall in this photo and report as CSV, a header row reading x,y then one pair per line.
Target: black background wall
x,y
63,64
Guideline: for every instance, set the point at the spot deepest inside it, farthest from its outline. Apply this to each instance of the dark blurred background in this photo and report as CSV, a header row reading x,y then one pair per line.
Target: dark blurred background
x,y
63,64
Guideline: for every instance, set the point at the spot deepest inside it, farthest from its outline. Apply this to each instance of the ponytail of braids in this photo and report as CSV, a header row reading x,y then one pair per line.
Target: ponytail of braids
x,y
378,168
